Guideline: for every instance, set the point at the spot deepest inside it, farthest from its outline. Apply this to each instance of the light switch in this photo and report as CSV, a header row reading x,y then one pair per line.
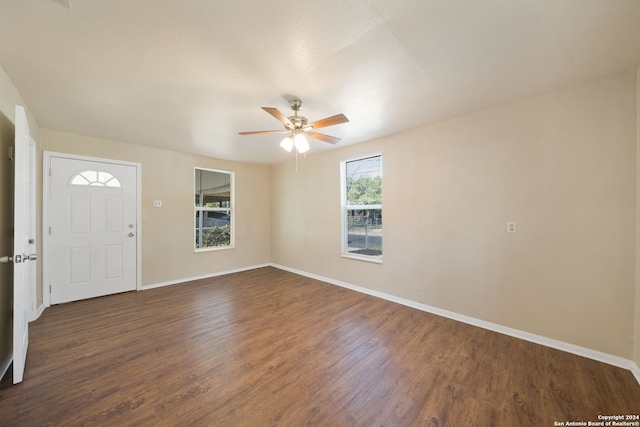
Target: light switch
x,y
157,203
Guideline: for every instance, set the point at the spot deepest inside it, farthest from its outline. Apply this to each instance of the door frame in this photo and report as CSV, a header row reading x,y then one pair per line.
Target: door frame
x,y
46,193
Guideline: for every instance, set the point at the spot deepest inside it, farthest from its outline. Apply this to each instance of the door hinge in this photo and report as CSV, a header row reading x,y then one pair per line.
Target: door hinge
x,y
49,231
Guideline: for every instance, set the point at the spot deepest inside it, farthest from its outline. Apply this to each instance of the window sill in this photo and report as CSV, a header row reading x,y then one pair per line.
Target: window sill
x,y
374,260
213,248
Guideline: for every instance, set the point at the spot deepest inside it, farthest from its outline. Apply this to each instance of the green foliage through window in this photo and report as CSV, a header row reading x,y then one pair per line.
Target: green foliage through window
x,y
217,236
364,190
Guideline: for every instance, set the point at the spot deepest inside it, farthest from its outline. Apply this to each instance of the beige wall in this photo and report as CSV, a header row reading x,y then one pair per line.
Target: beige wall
x,y
637,300
9,98
562,165
167,232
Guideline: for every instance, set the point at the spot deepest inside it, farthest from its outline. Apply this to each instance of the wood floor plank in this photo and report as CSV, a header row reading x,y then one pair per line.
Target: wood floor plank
x,y
270,348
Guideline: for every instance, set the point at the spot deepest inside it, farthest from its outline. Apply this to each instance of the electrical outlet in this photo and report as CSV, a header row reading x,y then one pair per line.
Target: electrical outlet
x,y
157,203
511,227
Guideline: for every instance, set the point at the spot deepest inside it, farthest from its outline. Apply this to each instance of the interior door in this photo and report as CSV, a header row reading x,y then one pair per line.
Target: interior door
x,y
24,248
92,248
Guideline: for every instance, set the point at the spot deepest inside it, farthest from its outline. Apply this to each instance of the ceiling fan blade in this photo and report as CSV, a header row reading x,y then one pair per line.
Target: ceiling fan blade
x,y
329,121
323,137
263,131
281,117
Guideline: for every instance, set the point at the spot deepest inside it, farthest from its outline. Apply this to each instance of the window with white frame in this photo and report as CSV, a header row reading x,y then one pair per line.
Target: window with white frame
x,y
213,209
362,208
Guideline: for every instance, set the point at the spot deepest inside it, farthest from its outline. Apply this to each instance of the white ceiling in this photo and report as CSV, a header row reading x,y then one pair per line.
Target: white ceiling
x,y
189,75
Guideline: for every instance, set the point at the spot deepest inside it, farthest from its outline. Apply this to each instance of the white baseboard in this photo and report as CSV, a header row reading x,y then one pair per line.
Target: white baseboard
x,y
206,276
516,333
5,365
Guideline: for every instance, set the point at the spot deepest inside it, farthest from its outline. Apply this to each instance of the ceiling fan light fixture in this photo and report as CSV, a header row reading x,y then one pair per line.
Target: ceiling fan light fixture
x,y
298,128
287,144
301,143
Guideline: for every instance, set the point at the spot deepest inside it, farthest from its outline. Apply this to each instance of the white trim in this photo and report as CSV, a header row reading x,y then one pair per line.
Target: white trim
x,y
33,160
516,333
362,207
635,370
205,276
363,157
46,188
138,223
213,248
5,365
364,258
39,311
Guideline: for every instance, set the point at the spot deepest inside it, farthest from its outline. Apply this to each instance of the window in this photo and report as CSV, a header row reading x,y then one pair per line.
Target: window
x,y
362,208
213,209
95,178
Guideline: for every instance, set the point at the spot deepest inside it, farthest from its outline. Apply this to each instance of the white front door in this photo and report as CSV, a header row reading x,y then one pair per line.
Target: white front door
x,y
24,244
92,236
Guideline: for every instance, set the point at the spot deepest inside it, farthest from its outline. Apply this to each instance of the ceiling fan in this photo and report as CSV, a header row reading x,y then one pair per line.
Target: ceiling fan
x,y
297,127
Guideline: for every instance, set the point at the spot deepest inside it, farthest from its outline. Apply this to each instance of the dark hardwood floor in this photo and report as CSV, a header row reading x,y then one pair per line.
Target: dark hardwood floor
x,y
271,348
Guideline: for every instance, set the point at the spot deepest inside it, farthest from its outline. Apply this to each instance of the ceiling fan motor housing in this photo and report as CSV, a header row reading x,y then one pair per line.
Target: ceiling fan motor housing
x,y
295,104
298,121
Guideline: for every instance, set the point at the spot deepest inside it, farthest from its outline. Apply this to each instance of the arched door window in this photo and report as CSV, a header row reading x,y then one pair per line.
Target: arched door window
x,y
95,178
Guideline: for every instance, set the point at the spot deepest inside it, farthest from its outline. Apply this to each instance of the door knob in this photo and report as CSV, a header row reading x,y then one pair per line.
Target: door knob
x,y
131,234
18,258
